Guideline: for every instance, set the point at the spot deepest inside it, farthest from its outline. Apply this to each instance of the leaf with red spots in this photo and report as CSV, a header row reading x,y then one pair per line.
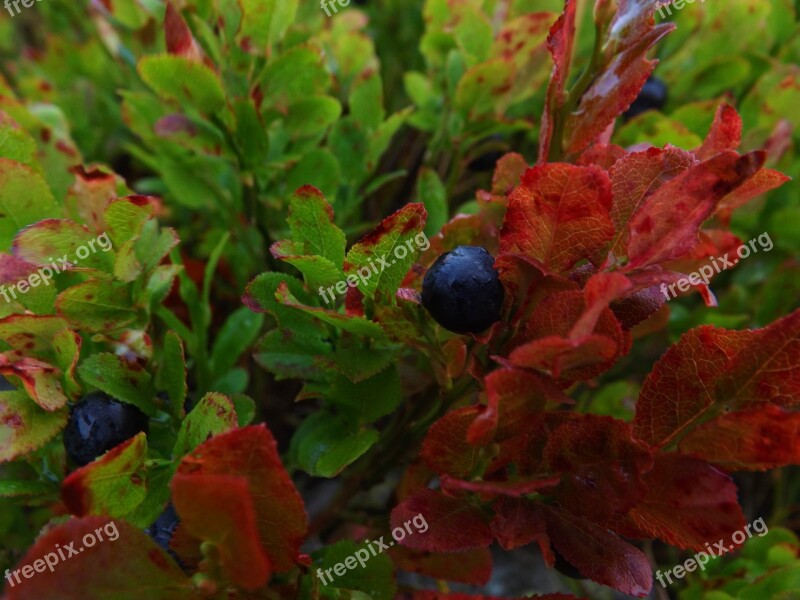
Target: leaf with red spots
x,y
597,553
665,227
113,485
97,306
402,230
125,565
759,438
634,178
24,426
445,449
559,215
57,241
763,181
711,371
219,509
454,524
725,133
89,196
251,454
688,503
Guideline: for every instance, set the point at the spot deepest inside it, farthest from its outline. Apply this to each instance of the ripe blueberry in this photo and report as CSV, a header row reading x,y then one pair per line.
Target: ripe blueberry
x,y
5,386
462,290
163,527
98,423
652,96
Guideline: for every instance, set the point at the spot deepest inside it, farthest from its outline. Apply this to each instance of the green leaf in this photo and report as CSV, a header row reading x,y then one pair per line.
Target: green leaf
x,y
260,296
311,116
264,22
120,379
319,168
171,375
180,79
293,75
358,364
98,306
325,444
353,324
238,332
366,102
245,409
291,355
112,485
311,222
374,576
432,193
318,272
214,414
17,144
369,399
24,426
25,198
29,489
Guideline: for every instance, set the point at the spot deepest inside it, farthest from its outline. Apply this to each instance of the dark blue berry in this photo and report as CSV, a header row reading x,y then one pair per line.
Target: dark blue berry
x,y
5,386
97,424
652,96
163,527
462,290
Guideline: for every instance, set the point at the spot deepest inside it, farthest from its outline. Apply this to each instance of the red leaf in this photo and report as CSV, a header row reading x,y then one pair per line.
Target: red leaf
x,y
688,503
559,215
601,466
470,567
711,371
552,350
453,523
599,292
634,178
666,226
509,170
518,522
424,595
513,489
251,454
622,70
179,37
130,565
445,449
219,508
599,554
559,44
760,438
514,393
725,133
760,183
604,156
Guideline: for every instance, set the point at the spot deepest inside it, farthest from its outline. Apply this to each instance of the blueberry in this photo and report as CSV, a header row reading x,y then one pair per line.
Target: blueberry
x,y
97,424
163,527
566,568
652,96
462,290
5,386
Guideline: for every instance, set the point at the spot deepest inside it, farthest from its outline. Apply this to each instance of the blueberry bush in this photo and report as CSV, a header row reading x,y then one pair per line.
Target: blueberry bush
x,y
404,261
